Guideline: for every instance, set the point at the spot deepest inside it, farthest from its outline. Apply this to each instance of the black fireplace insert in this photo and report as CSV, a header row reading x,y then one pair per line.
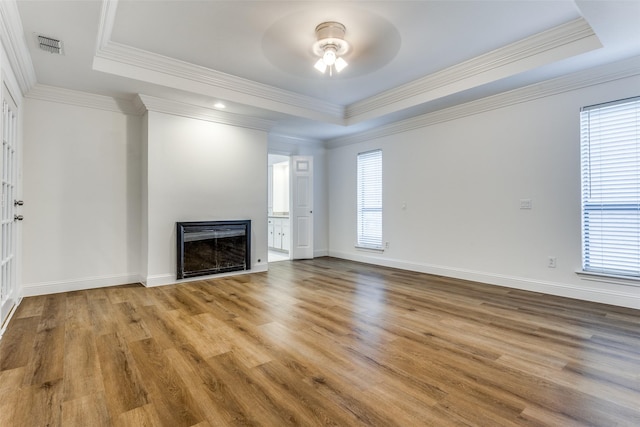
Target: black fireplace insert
x,y
211,247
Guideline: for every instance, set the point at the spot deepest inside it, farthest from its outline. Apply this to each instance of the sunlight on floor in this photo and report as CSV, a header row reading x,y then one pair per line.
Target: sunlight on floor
x,y
275,256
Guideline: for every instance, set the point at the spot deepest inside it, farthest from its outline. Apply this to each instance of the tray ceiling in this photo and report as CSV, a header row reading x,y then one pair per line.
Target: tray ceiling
x,y
408,57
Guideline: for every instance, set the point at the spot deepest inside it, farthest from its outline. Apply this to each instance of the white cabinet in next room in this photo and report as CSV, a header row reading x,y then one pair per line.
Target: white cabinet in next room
x,y
278,238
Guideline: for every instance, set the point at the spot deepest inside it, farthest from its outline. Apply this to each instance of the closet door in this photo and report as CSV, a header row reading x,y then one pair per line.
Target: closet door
x,y
9,206
301,194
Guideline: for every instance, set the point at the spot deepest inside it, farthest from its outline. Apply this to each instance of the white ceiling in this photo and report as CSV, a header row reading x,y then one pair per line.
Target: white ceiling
x,y
406,57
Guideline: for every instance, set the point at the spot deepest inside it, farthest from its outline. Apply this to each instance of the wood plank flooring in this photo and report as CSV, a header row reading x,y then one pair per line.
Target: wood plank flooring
x,y
319,342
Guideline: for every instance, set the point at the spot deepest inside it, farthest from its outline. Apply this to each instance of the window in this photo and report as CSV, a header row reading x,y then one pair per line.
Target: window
x,y
610,154
370,200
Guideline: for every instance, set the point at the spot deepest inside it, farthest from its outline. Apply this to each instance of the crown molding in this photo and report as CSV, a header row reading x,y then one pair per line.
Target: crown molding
x,y
183,75
105,26
15,45
294,141
139,105
565,40
82,99
558,43
167,106
119,59
598,75
294,147
142,103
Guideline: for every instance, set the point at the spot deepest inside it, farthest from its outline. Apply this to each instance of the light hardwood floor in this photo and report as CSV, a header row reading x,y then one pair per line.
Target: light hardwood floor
x,y
319,342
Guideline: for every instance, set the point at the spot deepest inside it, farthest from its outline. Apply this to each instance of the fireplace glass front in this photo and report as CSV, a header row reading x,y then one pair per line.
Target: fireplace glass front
x,y
210,247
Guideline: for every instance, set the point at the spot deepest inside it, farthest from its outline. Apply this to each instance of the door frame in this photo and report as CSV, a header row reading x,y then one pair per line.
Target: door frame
x,y
10,302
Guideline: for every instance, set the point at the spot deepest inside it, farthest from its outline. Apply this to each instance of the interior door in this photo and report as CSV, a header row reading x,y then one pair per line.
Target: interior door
x,y
301,207
8,217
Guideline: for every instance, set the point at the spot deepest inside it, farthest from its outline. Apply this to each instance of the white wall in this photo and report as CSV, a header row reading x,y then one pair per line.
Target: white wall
x,y
202,171
462,181
104,190
82,197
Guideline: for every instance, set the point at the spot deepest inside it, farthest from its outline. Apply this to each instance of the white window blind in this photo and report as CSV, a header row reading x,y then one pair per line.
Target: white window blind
x,y
610,154
370,199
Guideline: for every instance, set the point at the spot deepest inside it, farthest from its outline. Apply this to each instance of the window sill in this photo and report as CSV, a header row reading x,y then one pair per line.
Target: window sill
x,y
609,278
369,249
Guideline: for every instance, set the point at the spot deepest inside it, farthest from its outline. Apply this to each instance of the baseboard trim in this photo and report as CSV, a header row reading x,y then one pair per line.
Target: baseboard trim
x,y
170,279
320,253
44,288
4,325
629,299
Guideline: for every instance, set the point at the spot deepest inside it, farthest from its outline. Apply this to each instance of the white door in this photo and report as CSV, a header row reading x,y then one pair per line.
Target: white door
x,y
301,207
8,216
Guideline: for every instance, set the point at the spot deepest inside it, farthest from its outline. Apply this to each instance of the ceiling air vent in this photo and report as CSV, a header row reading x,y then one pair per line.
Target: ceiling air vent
x,y
50,45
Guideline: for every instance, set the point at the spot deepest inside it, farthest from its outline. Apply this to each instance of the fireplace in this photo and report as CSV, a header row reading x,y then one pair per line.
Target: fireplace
x,y
211,247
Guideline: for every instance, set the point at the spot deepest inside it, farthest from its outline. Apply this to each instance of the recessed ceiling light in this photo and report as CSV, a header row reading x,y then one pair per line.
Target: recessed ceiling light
x,y
219,105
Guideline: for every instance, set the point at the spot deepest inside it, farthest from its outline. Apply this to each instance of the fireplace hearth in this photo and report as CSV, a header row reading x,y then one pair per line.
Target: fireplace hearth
x,y
211,247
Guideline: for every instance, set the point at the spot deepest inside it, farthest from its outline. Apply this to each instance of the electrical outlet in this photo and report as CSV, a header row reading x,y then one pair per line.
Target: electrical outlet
x,y
386,245
552,262
525,204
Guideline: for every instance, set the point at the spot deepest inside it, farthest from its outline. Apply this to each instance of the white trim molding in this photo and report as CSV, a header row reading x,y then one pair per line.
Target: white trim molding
x,y
15,45
564,41
317,253
178,108
54,287
105,27
82,99
598,75
126,61
606,278
289,145
170,278
4,325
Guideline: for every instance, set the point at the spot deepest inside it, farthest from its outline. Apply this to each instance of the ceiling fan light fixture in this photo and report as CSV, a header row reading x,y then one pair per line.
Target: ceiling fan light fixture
x,y
329,56
321,66
340,64
330,46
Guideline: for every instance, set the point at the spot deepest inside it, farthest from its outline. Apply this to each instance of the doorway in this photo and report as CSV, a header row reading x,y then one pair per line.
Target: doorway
x,y
290,207
279,223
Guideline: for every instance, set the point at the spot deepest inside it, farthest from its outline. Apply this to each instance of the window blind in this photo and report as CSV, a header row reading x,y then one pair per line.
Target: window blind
x,y
370,199
610,163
